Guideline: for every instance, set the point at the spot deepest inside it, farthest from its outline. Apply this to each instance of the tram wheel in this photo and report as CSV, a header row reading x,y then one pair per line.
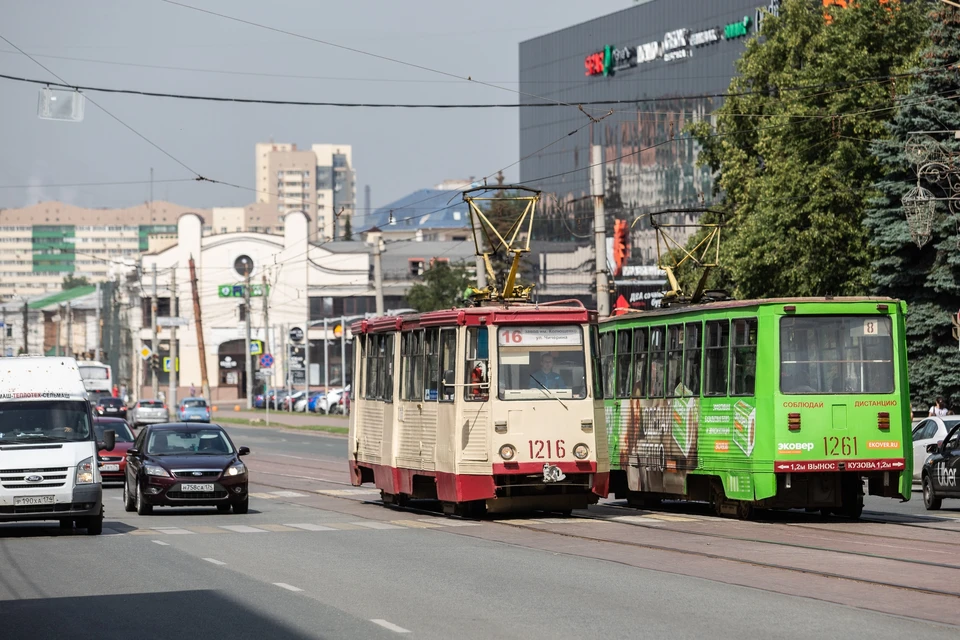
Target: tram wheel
x,y
387,498
744,510
640,500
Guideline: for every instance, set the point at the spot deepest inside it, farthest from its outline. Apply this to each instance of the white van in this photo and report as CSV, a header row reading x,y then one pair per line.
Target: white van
x,y
48,447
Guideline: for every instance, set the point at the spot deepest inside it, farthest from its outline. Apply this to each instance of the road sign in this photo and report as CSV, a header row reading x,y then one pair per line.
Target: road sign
x,y
264,374
166,364
295,357
256,347
337,331
172,322
146,352
266,361
296,334
236,290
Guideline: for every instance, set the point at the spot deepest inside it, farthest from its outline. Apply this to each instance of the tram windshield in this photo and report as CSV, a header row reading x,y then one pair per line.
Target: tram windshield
x,y
541,363
836,354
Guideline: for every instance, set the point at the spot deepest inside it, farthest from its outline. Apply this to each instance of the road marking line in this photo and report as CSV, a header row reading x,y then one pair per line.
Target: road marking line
x,y
389,625
558,520
161,543
142,532
241,528
262,496
348,492
310,527
275,527
372,524
171,531
344,526
417,524
288,587
458,523
288,494
202,529
672,518
214,561
637,519
116,497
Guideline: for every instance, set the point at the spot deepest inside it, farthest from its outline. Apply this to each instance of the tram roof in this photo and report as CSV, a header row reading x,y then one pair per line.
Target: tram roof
x,y
740,304
561,312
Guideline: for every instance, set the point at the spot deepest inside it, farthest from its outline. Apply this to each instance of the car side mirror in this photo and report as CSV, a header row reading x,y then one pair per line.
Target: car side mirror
x,y
109,441
449,379
933,448
243,451
133,453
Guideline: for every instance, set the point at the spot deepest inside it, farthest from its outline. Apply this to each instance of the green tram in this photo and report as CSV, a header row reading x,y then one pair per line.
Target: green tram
x,y
781,403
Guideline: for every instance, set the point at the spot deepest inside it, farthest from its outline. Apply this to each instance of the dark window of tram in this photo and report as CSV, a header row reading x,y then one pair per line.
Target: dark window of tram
x,y
448,363
595,360
360,351
411,365
477,382
386,368
657,353
431,343
372,382
718,350
691,358
624,362
608,359
674,360
639,362
743,368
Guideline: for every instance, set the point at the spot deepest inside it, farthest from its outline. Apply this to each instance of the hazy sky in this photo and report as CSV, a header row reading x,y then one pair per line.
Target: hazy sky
x,y
395,151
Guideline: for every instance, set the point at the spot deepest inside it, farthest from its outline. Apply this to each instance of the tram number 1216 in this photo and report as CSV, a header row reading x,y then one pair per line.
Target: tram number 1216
x,y
539,447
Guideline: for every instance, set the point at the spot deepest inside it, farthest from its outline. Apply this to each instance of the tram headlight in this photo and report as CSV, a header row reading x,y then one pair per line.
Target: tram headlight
x,y
581,451
508,451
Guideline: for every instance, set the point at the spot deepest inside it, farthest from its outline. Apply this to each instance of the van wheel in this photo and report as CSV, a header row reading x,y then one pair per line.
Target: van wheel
x,y
93,524
143,509
930,499
66,524
128,500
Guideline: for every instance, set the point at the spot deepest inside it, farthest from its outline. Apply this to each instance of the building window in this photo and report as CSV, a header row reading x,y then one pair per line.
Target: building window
x,y
415,266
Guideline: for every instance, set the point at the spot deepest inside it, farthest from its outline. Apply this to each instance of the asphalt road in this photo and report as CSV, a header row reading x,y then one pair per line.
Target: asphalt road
x,y
303,565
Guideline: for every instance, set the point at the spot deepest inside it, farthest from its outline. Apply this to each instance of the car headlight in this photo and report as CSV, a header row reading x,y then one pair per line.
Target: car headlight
x,y
581,451
507,452
155,470
85,472
236,469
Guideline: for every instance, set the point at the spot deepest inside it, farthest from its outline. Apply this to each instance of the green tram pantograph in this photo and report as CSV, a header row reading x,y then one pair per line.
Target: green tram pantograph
x,y
783,403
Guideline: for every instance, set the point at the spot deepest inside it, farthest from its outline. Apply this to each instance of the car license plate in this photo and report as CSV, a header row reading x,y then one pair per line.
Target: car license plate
x,y
111,409
196,487
20,500
110,467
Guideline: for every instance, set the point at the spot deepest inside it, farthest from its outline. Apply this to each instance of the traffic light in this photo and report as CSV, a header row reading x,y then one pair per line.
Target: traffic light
x,y
621,245
155,362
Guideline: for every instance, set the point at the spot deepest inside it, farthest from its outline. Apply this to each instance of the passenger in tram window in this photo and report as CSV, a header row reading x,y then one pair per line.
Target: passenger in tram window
x,y
546,377
478,377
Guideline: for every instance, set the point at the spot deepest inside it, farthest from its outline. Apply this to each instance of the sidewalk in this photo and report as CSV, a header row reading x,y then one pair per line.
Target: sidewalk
x,y
312,421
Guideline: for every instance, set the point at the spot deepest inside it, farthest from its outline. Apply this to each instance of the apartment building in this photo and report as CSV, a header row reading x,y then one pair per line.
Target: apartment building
x,y
319,181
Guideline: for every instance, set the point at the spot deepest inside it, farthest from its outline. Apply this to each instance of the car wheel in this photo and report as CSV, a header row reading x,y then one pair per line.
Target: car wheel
x,y
66,524
143,509
930,499
128,500
242,507
223,507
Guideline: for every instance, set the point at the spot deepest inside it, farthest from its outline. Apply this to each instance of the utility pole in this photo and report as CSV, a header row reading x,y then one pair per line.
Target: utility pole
x,y
26,320
154,374
266,317
69,345
174,311
343,356
248,370
599,231
198,323
4,354
326,361
97,330
378,275
56,349
306,352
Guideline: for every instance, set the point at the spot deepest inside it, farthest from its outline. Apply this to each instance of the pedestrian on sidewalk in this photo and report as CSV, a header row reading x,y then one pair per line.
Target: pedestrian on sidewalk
x,y
939,409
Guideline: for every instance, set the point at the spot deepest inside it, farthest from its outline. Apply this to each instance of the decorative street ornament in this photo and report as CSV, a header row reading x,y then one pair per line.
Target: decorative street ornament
x,y
937,165
920,207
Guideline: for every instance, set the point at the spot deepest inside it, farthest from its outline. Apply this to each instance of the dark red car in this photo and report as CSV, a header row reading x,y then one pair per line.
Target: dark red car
x,y
113,463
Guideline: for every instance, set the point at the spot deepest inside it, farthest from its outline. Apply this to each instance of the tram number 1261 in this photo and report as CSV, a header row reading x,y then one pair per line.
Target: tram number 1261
x,y
538,447
835,446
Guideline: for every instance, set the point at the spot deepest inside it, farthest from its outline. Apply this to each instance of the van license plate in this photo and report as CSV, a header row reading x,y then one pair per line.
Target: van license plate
x,y
23,500
196,487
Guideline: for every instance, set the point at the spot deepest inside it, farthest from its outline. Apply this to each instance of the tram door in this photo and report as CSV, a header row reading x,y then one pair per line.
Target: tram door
x,y
474,432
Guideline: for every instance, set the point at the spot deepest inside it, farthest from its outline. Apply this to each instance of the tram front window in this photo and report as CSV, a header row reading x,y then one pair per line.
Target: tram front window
x,y
540,363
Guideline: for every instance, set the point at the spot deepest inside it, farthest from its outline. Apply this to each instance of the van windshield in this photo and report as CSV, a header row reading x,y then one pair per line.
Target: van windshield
x,y
44,421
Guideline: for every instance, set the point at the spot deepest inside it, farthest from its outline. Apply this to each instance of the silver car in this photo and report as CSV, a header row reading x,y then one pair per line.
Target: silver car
x,y
149,412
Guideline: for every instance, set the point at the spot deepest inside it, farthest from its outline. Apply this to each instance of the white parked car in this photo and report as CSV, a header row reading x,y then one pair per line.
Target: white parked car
x,y
929,431
330,402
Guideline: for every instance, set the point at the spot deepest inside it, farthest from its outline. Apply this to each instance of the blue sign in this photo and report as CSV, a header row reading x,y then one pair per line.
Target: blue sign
x,y
256,347
266,361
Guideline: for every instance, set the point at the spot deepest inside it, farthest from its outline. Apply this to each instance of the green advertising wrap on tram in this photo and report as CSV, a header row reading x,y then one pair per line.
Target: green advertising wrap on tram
x,y
786,403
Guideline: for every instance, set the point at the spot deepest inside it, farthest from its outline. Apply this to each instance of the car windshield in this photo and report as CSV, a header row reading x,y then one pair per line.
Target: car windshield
x,y
44,421
538,363
120,428
194,402
188,442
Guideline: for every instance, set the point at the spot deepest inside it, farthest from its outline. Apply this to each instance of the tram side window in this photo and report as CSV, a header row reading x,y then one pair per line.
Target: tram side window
x,y
477,371
431,344
448,363
411,365
595,360
373,382
360,355
639,362
608,360
386,367
691,358
624,362
674,362
744,365
657,353
718,358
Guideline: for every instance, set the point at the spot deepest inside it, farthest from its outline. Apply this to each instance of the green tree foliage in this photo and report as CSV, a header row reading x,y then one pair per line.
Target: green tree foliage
x,y
791,146
927,278
70,282
347,229
442,288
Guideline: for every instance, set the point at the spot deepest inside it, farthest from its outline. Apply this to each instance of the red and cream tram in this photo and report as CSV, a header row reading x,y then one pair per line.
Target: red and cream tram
x,y
491,408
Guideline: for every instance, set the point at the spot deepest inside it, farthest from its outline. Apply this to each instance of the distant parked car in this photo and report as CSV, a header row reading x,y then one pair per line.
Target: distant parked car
x,y
330,403
111,407
314,399
149,412
290,401
193,410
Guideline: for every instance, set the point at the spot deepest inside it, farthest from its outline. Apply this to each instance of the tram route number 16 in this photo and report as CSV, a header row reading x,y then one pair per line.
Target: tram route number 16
x,y
538,447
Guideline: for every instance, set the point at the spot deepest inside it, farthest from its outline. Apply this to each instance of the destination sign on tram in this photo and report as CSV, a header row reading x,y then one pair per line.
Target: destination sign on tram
x,y
537,336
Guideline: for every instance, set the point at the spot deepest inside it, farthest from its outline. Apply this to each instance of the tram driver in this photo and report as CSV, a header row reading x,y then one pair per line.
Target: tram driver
x,y
546,377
